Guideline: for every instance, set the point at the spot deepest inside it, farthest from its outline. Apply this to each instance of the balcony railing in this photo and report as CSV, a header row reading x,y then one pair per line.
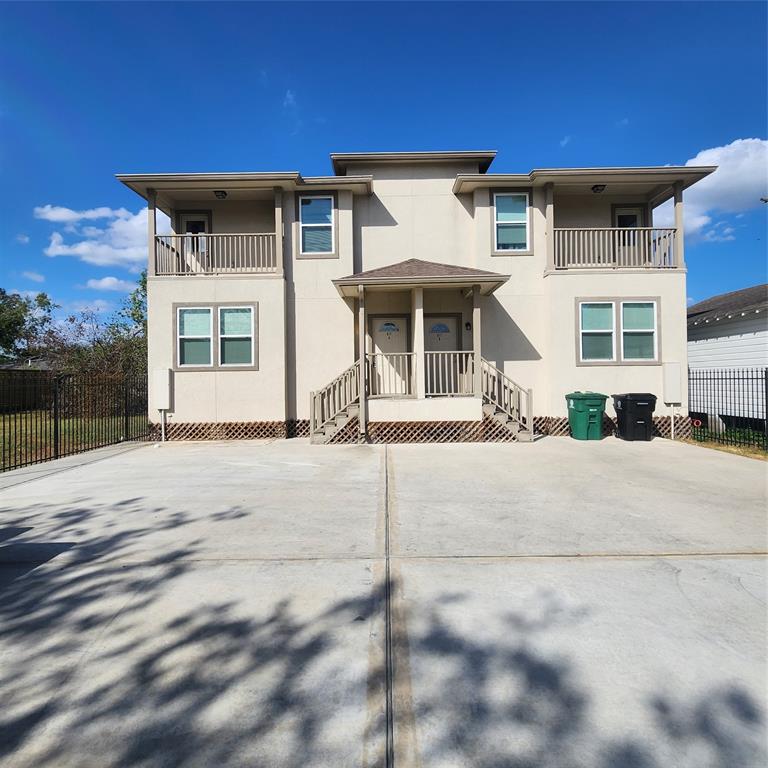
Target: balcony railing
x,y
216,254
449,373
615,248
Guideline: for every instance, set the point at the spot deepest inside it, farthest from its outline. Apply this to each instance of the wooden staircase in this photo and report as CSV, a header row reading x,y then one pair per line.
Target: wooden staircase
x,y
335,405
507,402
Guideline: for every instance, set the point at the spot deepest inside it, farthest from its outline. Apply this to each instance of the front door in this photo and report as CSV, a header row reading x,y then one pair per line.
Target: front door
x,y
390,367
445,365
629,217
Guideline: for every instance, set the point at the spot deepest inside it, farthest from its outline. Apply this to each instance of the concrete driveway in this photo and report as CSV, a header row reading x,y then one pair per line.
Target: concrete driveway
x,y
555,604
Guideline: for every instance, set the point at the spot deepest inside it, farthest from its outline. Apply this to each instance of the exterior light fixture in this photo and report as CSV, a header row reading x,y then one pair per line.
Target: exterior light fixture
x,y
220,194
598,188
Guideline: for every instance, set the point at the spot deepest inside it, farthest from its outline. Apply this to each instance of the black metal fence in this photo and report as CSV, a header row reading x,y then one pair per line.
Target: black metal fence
x,y
44,415
729,406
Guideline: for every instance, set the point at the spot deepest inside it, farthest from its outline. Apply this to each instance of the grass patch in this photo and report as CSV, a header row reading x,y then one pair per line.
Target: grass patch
x,y
750,451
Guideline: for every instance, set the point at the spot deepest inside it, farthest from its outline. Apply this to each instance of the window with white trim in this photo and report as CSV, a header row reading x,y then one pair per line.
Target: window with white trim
x,y
596,331
511,221
235,336
638,330
618,331
316,222
195,336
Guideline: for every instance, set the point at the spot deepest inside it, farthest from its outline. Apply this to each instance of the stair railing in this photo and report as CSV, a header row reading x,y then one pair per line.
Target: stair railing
x,y
499,390
327,403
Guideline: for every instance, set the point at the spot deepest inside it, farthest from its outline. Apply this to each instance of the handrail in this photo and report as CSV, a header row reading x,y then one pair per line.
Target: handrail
x,y
615,247
204,253
508,396
327,403
449,373
390,374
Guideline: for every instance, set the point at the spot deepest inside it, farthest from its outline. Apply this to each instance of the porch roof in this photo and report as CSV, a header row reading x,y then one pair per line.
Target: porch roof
x,y
417,273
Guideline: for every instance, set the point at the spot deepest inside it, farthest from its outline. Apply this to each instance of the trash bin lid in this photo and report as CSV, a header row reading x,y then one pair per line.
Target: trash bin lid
x,y
635,396
586,396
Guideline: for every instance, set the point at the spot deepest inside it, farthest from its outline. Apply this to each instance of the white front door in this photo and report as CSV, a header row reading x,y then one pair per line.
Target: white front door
x,y
445,366
194,247
390,367
630,217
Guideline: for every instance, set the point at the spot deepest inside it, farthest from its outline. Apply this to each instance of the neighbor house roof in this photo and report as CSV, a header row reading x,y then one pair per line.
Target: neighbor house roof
x,y
729,305
415,272
483,157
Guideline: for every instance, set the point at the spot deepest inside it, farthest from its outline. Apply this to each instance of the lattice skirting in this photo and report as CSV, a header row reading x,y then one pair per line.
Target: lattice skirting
x,y
297,428
557,426
228,430
486,431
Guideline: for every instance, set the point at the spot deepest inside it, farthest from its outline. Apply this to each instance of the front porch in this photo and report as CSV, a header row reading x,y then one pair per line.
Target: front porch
x,y
419,342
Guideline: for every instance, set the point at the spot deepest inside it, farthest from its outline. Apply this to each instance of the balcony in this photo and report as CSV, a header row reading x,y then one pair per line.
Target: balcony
x,y
218,254
615,248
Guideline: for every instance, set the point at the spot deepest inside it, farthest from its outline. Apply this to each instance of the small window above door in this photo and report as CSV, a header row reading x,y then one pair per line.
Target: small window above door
x,y
194,223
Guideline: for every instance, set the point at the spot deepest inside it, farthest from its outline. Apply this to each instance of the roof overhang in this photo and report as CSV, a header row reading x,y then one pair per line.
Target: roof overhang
x,y
173,186
341,160
656,183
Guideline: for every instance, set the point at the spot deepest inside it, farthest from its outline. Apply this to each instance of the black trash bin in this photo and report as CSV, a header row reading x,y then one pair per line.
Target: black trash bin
x,y
634,414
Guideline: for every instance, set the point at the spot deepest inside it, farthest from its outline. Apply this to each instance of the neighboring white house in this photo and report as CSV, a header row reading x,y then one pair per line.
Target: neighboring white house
x,y
410,295
728,358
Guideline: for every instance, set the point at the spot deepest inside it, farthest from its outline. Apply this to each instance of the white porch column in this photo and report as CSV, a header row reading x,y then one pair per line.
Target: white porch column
x,y
476,340
362,334
278,192
679,245
417,316
151,232
549,211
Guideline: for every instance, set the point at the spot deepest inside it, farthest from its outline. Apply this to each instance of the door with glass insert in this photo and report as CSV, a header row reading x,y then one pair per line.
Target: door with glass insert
x,y
390,367
194,227
446,366
629,241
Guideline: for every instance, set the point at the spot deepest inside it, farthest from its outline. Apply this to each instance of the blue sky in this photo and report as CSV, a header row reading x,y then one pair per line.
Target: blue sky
x,y
88,90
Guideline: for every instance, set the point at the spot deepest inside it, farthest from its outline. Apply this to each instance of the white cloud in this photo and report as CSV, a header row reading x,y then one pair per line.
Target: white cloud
x,y
35,277
289,100
736,186
60,215
565,140
122,242
95,305
22,238
24,294
110,284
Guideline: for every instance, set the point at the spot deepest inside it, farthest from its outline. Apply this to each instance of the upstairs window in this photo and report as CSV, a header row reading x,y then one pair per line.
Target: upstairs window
x,y
195,328
316,224
511,221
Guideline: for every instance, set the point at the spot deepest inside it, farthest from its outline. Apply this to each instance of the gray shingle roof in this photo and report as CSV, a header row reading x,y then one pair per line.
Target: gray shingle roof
x,y
732,303
418,269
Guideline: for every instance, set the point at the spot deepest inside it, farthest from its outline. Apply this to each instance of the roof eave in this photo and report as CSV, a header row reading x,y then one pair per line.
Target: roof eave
x,y
489,283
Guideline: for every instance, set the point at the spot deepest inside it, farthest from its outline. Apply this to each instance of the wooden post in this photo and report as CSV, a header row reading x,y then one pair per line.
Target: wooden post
x,y
679,244
549,210
278,229
417,315
477,340
362,333
151,232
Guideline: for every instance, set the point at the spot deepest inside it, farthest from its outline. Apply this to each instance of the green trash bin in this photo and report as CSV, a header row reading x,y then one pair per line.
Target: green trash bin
x,y
585,414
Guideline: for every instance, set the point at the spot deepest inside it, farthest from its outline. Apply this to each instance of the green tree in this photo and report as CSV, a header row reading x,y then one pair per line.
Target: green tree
x,y
26,325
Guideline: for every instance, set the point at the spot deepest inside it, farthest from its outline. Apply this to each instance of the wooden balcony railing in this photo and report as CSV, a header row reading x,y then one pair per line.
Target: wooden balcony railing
x,y
615,248
216,254
449,373
390,374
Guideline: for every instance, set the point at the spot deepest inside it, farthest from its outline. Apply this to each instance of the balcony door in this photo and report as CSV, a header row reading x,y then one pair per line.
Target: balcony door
x,y
390,369
194,248
628,217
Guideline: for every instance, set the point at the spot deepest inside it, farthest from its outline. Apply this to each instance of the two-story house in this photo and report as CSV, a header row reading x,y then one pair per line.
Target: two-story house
x,y
409,296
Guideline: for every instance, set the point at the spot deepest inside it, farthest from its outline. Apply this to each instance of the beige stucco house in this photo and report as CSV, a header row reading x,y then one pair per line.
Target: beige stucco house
x,y
410,295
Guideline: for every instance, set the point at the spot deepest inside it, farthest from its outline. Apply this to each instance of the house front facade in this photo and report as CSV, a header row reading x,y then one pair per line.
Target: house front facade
x,y
410,296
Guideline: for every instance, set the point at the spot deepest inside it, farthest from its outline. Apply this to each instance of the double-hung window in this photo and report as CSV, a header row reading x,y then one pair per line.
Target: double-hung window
x,y
235,336
511,221
316,224
618,331
638,330
195,329
596,331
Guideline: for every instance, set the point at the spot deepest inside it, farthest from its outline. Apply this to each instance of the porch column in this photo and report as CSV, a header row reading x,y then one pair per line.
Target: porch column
x,y
417,314
278,192
151,232
679,245
476,340
549,211
362,333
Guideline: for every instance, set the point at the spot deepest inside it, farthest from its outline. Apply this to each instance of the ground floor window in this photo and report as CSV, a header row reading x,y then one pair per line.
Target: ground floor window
x,y
615,331
218,336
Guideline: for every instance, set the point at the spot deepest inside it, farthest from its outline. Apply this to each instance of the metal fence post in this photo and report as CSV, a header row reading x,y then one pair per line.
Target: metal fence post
x,y
56,416
126,424
765,408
